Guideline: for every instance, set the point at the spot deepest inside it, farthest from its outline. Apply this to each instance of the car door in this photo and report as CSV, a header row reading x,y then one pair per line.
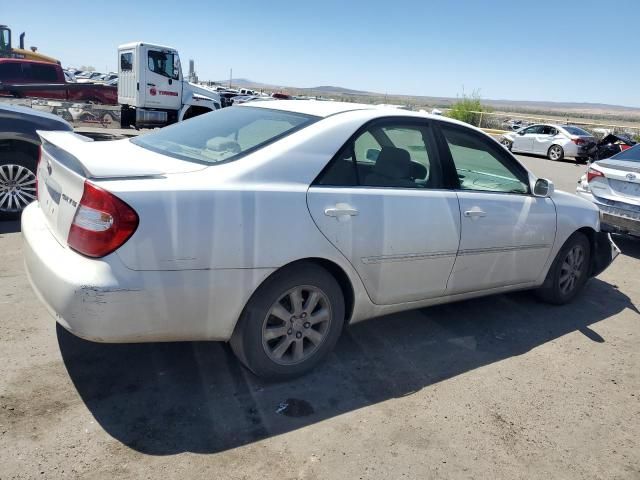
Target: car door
x,y
523,140
544,139
384,203
506,232
162,79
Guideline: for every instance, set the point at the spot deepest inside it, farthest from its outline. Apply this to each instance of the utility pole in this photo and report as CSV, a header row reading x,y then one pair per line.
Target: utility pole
x,y
230,76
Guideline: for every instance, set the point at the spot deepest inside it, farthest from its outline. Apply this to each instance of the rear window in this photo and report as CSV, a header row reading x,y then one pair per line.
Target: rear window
x,y
223,135
630,155
576,131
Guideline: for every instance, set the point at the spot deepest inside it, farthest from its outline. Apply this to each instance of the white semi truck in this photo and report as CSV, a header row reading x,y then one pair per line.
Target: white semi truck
x,y
152,91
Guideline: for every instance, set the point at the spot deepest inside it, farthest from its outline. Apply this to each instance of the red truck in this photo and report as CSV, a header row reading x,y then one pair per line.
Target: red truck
x,y
21,78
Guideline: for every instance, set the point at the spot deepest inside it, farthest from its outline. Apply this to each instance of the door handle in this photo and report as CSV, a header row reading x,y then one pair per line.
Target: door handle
x,y
341,210
475,213
151,84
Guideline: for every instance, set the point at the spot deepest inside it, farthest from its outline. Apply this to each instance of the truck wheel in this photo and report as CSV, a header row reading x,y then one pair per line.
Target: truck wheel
x,y
291,322
17,184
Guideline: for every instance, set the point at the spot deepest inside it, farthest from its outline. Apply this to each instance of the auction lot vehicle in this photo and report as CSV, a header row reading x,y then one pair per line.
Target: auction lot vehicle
x,y
553,141
272,224
152,90
613,143
19,153
31,79
613,184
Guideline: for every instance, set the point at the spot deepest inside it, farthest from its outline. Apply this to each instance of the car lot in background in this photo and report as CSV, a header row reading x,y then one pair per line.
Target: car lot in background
x,y
613,184
551,140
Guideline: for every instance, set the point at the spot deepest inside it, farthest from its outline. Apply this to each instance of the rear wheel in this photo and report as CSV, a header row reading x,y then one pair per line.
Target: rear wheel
x,y
569,271
555,153
17,183
291,323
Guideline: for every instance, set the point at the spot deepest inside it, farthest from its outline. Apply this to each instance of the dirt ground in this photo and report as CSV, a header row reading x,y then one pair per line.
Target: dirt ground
x,y
499,388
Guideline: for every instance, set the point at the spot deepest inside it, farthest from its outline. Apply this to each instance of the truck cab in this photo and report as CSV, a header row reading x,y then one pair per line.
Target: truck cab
x,y
152,90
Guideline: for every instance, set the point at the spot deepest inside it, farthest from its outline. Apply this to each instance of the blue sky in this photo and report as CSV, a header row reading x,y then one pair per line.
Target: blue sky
x,y
583,51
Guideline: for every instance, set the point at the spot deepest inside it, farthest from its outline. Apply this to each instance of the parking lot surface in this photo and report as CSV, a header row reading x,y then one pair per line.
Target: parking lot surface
x,y
499,387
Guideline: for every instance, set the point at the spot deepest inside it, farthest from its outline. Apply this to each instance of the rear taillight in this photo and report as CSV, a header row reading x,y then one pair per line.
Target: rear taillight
x,y
579,141
593,173
102,223
624,147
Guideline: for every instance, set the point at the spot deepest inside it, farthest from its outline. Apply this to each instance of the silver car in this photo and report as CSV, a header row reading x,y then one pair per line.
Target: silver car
x,y
554,141
613,184
271,225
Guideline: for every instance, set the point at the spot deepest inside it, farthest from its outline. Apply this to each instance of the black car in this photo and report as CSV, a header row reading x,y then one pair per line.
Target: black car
x,y
19,152
612,144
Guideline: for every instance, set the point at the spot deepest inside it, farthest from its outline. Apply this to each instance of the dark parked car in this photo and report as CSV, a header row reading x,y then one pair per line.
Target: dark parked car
x,y
19,153
612,144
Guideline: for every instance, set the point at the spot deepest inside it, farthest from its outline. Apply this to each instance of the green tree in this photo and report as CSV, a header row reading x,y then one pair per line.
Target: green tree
x,y
467,108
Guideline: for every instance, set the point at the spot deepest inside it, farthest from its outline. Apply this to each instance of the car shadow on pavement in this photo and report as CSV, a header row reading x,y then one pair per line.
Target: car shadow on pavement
x,y
168,398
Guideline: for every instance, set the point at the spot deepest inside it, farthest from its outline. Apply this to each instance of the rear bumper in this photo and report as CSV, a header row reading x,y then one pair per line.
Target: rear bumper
x,y
614,219
102,300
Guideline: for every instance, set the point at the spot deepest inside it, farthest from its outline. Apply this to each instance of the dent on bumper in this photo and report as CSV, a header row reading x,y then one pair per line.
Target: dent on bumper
x,y
102,300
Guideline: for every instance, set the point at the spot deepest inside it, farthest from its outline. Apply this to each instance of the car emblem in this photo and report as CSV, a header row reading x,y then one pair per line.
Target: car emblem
x,y
631,176
49,167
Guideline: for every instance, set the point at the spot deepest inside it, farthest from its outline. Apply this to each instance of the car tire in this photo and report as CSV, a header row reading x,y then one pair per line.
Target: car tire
x,y
278,340
569,271
506,144
555,153
17,184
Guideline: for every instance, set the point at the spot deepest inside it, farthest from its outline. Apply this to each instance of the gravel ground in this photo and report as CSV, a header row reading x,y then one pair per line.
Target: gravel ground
x,y
500,387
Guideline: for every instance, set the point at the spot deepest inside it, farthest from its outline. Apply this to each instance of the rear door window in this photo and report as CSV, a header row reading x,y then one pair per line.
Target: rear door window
x,y
44,73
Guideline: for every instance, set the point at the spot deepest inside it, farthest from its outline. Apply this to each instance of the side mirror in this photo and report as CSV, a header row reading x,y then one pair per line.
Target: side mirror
x,y
520,132
372,154
543,188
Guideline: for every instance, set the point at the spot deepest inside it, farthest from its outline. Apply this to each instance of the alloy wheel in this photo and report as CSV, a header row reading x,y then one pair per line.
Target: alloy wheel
x,y
571,269
17,188
555,153
296,325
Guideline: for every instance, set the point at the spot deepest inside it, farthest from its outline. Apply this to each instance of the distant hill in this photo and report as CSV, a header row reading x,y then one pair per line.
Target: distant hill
x,y
496,104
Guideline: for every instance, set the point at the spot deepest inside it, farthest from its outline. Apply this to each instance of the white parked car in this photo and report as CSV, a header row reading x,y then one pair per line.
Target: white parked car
x,y
554,141
613,184
273,224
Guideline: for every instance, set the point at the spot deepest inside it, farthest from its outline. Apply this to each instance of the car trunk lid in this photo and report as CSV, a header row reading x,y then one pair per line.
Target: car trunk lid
x,y
623,179
68,160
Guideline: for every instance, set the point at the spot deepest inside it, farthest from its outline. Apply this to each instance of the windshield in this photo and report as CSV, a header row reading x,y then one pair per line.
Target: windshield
x,y
223,135
630,155
576,131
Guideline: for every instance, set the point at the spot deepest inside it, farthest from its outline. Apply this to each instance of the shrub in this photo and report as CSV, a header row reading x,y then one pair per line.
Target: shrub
x,y
466,108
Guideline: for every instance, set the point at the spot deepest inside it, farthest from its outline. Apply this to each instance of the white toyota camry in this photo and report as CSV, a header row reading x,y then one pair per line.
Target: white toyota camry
x,y
272,225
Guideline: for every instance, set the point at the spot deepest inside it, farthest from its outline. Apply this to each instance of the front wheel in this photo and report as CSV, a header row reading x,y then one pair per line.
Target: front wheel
x,y
555,153
291,323
569,271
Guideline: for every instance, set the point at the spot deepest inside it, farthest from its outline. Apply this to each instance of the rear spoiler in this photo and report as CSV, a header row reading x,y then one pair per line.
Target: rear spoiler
x,y
83,156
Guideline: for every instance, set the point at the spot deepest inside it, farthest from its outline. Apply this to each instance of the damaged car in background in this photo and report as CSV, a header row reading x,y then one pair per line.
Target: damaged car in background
x,y
555,142
613,184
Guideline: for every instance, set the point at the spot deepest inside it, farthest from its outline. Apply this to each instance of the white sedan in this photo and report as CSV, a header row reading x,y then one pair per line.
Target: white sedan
x,y
553,141
274,224
613,184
